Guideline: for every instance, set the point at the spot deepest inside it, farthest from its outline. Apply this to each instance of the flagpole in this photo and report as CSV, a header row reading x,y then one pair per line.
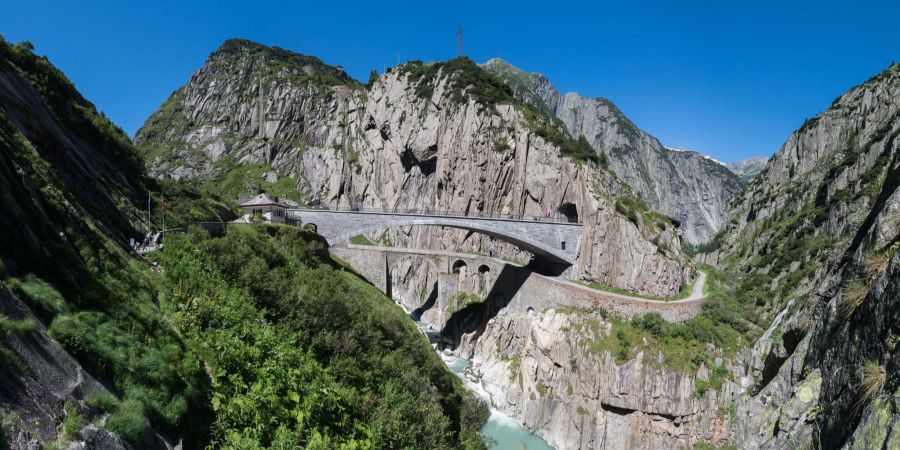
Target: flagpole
x,y
149,226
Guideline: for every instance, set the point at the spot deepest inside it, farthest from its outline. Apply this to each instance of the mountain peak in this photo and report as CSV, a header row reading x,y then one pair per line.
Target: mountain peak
x,y
234,50
236,45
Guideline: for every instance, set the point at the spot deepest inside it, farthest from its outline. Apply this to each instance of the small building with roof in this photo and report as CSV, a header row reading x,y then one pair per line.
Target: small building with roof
x,y
263,207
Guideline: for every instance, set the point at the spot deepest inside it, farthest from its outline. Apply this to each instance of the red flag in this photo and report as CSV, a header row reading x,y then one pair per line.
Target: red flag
x,y
164,202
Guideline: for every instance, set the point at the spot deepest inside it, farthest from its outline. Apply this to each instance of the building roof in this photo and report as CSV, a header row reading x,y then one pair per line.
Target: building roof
x,y
262,200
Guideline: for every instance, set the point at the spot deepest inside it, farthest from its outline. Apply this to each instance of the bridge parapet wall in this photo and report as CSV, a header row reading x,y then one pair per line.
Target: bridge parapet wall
x,y
542,293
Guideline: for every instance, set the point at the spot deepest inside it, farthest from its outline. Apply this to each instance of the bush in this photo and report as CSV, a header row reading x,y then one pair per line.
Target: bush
x,y
40,296
72,422
100,401
128,421
631,208
23,326
651,322
288,336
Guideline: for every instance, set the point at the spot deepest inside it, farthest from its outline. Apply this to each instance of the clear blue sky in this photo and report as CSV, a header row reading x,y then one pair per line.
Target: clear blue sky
x,y
727,78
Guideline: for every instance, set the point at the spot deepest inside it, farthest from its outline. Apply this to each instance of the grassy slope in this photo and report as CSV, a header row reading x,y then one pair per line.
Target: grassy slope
x,y
67,265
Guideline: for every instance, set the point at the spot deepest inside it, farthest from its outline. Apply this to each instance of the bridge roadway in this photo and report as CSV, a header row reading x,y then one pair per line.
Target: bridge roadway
x,y
554,239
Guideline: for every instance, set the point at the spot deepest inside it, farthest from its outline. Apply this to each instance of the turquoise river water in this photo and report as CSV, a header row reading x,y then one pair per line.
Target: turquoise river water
x,y
504,432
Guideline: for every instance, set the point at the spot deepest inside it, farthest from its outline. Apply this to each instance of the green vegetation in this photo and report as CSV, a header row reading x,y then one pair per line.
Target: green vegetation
x,y
304,354
871,378
461,299
70,108
360,239
523,84
299,352
72,268
684,346
466,79
631,208
281,62
717,377
852,298
72,422
102,402
8,325
235,179
714,244
515,364
129,420
40,296
578,150
705,446
6,421
501,146
188,202
23,326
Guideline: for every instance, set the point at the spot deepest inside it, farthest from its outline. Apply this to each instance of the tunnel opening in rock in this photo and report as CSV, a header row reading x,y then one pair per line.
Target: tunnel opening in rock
x,y
426,166
569,211
458,266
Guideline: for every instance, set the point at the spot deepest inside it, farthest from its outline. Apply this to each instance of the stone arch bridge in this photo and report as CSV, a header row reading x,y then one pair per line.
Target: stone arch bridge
x,y
554,239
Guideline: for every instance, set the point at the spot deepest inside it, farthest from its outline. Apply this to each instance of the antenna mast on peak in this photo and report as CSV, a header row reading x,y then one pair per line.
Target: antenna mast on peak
x,y
459,41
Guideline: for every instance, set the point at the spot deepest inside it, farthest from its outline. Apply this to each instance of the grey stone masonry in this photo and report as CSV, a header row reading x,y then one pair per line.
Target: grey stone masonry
x,y
555,241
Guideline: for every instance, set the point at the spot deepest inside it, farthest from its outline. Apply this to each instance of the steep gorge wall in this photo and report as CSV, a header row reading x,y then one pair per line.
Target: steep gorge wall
x,y
399,146
684,185
817,231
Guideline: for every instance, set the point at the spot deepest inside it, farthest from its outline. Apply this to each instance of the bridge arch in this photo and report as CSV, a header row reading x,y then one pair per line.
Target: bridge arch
x,y
458,266
552,241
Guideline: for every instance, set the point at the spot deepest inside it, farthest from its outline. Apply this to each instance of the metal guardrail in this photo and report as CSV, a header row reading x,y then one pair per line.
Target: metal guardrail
x,y
554,218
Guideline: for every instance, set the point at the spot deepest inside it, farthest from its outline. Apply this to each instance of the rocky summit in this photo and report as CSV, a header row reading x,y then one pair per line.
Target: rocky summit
x,y
685,185
285,257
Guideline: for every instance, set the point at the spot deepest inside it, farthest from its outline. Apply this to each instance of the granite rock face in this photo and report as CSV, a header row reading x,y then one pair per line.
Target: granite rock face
x,y
818,229
544,370
403,143
685,185
815,233
748,169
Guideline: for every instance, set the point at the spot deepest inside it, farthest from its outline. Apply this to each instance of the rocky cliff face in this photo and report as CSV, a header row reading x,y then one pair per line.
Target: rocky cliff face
x,y
814,247
817,234
69,185
748,169
683,185
811,246
442,137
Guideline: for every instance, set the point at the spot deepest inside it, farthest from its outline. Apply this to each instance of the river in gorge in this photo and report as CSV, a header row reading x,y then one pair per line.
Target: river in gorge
x,y
502,431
